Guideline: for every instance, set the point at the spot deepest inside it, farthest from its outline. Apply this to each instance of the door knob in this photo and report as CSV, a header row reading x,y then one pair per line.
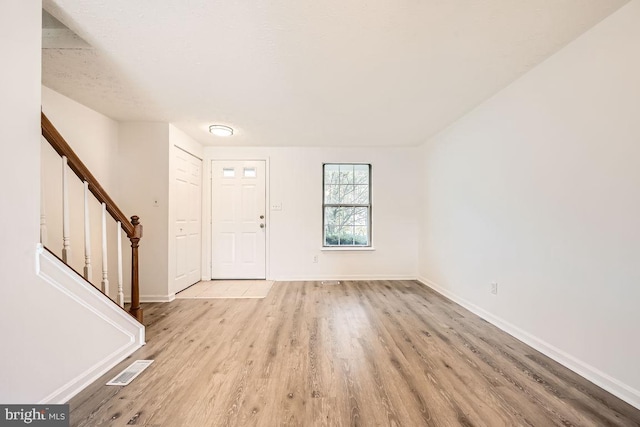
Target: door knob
x,y
261,225
261,216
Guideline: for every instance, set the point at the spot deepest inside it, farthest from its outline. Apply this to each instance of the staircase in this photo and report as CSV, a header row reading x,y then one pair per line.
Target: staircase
x,y
110,215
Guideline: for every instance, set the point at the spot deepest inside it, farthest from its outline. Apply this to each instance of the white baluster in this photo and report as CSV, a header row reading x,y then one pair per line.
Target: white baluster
x,y
66,239
120,292
43,215
88,273
105,280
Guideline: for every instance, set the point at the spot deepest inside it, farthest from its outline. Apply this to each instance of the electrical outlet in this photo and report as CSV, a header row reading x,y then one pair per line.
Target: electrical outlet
x,y
494,288
315,258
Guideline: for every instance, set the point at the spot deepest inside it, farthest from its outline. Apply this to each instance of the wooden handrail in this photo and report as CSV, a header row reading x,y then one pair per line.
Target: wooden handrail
x,y
59,144
132,228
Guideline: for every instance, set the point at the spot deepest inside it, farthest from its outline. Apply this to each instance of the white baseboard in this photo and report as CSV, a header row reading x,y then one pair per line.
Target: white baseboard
x,y
79,383
339,277
65,280
599,378
152,298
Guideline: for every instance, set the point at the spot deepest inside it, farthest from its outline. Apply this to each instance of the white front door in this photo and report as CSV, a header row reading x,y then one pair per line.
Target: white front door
x,y
238,223
188,213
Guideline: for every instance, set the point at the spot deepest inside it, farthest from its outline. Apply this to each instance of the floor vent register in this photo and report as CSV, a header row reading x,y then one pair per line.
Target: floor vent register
x,y
129,374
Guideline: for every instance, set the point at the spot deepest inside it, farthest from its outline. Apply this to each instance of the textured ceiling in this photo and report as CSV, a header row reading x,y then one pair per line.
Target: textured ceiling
x,y
315,73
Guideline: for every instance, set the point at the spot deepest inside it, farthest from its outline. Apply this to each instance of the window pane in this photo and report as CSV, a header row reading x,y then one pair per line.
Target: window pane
x,y
346,235
360,236
346,194
361,174
338,216
332,219
361,194
346,174
228,172
249,172
361,216
330,236
332,194
331,174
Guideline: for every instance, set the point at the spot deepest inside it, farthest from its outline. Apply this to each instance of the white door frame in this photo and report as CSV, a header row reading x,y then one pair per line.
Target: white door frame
x,y
208,205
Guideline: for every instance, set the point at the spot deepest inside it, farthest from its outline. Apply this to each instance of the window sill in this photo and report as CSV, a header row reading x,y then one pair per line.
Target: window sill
x,y
347,249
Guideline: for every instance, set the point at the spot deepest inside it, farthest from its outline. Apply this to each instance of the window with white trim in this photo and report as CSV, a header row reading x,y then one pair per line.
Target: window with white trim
x,y
346,206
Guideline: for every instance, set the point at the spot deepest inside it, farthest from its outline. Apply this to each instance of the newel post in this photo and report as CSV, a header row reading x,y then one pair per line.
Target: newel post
x,y
135,309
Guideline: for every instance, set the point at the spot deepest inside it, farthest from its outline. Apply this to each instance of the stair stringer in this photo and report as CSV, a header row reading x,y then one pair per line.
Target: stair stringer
x,y
117,321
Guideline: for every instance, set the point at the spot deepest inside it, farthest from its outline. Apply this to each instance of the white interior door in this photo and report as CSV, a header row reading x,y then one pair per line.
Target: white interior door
x,y
238,236
188,215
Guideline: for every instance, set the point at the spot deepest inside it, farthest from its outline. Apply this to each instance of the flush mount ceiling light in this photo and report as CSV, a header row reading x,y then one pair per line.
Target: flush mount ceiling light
x,y
221,130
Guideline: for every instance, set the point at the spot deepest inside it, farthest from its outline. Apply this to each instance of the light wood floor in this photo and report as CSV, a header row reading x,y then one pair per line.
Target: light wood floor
x,y
387,353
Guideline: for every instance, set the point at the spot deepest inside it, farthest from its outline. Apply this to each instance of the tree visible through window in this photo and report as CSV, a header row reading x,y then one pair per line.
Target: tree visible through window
x,y
347,204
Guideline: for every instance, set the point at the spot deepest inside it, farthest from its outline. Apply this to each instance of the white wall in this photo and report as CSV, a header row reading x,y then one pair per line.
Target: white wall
x,y
180,139
19,168
538,189
295,232
94,138
144,178
48,339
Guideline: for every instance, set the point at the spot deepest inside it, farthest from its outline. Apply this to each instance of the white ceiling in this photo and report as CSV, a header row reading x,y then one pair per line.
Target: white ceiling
x,y
306,72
